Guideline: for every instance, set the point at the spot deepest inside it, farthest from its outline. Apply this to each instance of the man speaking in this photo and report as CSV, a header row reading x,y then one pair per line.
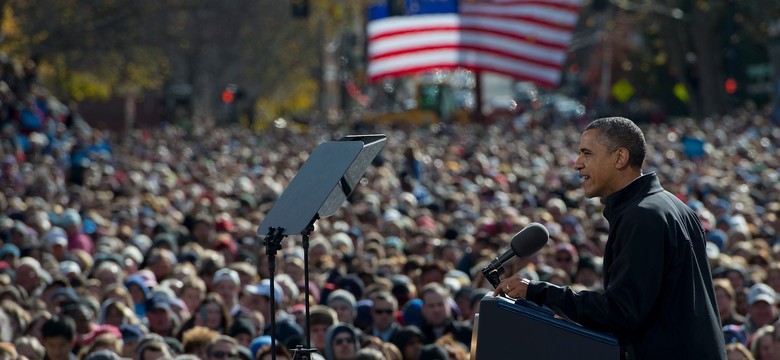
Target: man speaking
x,y
658,298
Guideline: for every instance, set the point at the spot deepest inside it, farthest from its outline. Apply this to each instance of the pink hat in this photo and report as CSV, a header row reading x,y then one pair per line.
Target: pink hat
x,y
150,280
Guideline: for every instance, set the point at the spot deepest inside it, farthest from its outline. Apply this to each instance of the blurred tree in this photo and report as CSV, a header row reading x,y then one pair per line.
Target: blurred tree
x,y
698,44
94,48
98,49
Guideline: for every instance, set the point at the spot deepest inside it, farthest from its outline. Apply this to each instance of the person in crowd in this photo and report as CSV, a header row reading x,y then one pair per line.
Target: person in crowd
x,y
369,354
30,347
223,347
438,318
341,342
725,296
345,305
738,351
243,330
160,316
227,284
383,315
281,353
763,345
257,297
762,302
454,349
77,239
321,318
409,340
212,314
193,291
152,347
8,351
196,341
59,338
31,277
656,266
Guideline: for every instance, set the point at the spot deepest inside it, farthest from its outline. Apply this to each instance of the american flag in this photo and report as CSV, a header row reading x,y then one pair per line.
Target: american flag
x,y
525,39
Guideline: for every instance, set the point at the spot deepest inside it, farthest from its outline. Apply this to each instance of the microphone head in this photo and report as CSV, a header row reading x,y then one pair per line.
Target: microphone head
x,y
530,240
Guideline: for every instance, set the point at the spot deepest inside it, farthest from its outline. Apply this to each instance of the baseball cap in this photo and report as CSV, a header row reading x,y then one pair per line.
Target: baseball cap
x,y
68,267
56,236
762,292
226,274
263,288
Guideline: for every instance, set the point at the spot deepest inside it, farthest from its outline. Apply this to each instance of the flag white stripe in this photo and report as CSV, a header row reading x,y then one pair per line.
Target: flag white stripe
x,y
546,13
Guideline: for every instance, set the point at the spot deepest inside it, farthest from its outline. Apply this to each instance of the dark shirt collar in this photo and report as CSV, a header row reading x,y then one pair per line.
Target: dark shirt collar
x,y
640,187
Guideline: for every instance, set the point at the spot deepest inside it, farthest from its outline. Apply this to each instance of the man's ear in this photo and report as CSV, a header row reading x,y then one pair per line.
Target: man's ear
x,y
621,162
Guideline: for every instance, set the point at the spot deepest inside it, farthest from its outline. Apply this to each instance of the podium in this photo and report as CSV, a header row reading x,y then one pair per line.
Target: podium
x,y
521,330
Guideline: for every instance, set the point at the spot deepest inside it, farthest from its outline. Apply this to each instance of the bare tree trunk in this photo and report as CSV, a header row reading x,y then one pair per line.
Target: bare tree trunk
x,y
703,29
676,41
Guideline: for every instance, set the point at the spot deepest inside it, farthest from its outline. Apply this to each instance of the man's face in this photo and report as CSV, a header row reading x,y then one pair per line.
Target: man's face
x,y
412,348
343,346
344,312
114,316
317,333
762,313
227,290
27,277
431,276
565,261
435,309
382,314
255,302
57,348
723,300
153,354
82,317
596,166
223,350
160,266
137,293
159,320
109,275
243,339
210,315
192,297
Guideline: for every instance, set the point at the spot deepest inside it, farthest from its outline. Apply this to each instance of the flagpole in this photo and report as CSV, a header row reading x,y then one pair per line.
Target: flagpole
x,y
478,95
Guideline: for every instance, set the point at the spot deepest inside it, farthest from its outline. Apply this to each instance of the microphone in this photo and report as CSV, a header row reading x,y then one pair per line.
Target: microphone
x,y
525,243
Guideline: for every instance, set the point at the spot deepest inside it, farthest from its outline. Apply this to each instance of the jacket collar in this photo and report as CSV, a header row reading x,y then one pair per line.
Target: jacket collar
x,y
639,188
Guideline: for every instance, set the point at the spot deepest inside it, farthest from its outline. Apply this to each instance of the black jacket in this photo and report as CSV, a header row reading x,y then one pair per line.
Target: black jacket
x,y
459,330
658,297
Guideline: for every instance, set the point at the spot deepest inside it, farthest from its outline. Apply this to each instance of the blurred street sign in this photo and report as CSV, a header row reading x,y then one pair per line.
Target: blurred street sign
x,y
622,90
760,80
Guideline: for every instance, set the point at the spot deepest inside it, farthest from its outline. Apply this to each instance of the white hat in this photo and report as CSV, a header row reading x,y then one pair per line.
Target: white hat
x,y
762,292
226,274
264,289
68,267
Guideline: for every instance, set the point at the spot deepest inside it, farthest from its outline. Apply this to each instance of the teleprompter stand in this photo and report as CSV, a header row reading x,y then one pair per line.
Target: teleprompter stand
x,y
318,190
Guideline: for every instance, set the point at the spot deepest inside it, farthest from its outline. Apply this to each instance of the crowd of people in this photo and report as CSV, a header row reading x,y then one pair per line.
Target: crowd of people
x,y
150,248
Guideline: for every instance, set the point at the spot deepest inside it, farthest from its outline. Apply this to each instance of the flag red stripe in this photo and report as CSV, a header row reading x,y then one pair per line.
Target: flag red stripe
x,y
479,49
418,69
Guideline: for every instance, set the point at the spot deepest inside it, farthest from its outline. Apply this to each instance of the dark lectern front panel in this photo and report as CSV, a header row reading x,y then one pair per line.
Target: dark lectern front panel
x,y
521,330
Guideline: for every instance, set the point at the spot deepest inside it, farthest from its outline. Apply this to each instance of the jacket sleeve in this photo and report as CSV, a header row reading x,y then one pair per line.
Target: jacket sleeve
x,y
635,279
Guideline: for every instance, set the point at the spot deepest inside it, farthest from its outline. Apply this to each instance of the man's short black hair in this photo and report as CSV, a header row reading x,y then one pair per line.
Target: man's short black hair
x,y
59,326
617,132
